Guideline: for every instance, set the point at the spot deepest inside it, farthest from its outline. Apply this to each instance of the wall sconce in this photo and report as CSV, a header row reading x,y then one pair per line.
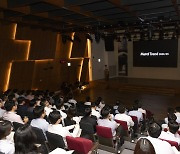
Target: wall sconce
x,y
68,64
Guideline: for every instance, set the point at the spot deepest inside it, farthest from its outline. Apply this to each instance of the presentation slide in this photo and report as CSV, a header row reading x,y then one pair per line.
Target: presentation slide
x,y
155,53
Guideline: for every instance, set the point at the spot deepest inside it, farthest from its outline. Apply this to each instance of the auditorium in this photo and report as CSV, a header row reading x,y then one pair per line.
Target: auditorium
x,y
89,76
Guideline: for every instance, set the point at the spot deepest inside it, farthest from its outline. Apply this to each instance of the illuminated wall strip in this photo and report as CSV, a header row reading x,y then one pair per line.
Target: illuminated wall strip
x,y
70,47
14,31
44,60
90,62
80,70
28,50
8,76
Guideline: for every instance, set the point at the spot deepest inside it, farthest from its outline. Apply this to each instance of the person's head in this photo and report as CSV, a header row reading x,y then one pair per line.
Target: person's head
x,y
87,112
39,112
93,105
44,102
55,117
33,103
170,110
5,128
59,104
70,96
144,146
121,109
11,97
21,100
154,130
173,126
10,106
105,112
135,106
172,117
177,109
71,112
25,139
88,99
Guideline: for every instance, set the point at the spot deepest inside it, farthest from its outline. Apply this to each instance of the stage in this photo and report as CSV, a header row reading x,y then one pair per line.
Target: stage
x,y
156,95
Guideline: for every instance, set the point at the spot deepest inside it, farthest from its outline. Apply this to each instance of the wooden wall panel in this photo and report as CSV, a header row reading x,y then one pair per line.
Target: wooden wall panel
x,y
79,47
21,75
35,57
63,50
7,30
85,71
43,43
50,74
3,75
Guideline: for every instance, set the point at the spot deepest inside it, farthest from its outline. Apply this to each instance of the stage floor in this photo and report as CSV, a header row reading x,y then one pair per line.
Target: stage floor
x,y
156,95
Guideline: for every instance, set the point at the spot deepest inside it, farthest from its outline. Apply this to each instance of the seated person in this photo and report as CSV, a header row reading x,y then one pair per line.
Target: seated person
x,y
171,117
22,108
47,106
24,140
177,113
144,146
136,113
88,119
6,146
161,147
10,113
2,111
60,106
106,121
172,134
94,112
88,101
122,116
39,120
72,117
57,128
170,111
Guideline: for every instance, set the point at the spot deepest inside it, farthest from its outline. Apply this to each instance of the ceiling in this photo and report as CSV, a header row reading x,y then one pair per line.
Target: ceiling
x,y
89,15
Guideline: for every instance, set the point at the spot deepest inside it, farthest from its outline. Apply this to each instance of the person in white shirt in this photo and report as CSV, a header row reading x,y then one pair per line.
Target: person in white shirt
x,y
10,113
2,111
122,116
136,113
60,107
171,117
107,121
94,112
57,128
88,101
177,113
40,122
171,134
6,146
47,106
71,100
161,147
140,106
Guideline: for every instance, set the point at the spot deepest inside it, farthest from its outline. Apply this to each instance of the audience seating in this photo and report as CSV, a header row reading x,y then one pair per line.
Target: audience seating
x,y
55,141
123,124
105,139
81,145
87,131
41,139
172,143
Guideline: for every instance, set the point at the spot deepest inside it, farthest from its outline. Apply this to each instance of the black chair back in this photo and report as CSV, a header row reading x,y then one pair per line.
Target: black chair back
x,y
55,141
41,139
